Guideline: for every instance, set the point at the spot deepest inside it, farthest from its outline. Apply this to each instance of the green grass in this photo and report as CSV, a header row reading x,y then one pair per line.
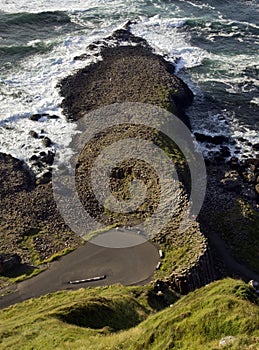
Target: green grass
x,y
118,317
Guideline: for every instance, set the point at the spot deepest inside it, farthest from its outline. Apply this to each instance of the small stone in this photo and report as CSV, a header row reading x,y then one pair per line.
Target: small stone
x,y
252,167
257,189
227,341
216,140
249,193
92,47
36,117
225,152
42,181
233,185
48,158
256,146
34,157
53,116
33,134
46,141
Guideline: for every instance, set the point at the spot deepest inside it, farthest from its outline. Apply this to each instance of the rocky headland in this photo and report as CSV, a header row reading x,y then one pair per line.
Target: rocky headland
x,y
223,240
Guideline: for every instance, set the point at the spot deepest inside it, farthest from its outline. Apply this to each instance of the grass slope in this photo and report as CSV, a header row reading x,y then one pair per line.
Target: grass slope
x,y
118,317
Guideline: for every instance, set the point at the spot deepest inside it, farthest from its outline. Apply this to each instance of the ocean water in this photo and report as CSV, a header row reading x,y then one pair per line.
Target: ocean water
x,y
215,45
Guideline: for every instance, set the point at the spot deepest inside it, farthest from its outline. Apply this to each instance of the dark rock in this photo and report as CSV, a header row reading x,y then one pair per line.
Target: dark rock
x,y
33,134
34,157
83,57
53,116
249,193
45,178
42,181
232,185
252,167
48,158
256,146
216,140
36,117
15,175
37,164
47,175
46,141
252,161
124,35
92,47
232,182
225,152
9,262
219,158
125,75
234,163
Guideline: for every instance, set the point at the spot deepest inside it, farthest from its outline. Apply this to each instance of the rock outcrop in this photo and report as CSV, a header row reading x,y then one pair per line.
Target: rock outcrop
x,y
126,74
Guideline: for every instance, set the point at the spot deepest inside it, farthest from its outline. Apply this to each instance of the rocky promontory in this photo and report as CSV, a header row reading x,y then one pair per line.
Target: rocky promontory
x,y
127,71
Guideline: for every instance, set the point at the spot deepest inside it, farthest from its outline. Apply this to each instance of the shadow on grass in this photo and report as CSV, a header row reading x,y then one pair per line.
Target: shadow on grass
x,y
23,269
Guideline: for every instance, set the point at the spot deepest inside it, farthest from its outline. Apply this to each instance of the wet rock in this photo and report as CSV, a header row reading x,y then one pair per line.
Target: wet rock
x,y
92,47
225,152
46,141
41,181
256,146
234,163
33,134
125,75
48,157
249,193
37,117
15,175
53,116
83,57
216,140
124,35
34,157
232,181
44,179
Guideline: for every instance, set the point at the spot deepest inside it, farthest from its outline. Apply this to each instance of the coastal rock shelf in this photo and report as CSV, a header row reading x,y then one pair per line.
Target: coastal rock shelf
x,y
125,74
133,73
31,224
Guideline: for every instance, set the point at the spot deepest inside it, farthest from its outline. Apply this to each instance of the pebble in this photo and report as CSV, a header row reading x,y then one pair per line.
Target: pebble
x,y
33,134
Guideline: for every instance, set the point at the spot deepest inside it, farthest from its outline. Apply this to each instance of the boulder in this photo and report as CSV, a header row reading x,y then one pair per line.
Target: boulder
x,y
216,140
15,175
126,74
46,141
38,116
33,134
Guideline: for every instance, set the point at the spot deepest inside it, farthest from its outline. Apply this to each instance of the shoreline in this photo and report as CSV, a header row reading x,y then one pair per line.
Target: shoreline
x,y
38,220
